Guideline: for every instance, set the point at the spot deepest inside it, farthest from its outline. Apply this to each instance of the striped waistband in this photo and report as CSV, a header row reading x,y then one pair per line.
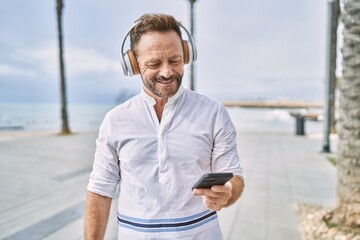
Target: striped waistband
x,y
166,225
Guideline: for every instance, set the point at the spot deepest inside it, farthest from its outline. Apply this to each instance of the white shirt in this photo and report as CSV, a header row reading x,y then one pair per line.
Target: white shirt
x,y
157,163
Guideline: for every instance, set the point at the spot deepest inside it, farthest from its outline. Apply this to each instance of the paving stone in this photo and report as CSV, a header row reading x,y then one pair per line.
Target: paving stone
x,y
45,175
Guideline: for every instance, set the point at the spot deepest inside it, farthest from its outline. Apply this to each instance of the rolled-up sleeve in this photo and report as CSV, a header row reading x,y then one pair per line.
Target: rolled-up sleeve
x,y
225,157
105,174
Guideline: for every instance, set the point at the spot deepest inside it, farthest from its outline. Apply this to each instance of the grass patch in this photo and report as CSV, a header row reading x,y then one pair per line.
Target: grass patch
x,y
333,160
329,224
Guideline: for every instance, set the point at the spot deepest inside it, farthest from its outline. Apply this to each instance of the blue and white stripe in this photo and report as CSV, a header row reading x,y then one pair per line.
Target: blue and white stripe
x,y
166,225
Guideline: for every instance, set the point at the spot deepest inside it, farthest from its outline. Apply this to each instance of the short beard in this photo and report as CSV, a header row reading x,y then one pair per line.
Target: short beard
x,y
150,85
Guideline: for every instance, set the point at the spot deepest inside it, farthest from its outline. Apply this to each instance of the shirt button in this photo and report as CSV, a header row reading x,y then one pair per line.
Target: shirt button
x,y
164,179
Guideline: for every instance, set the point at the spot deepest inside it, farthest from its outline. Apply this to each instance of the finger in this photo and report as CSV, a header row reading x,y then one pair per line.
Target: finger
x,y
212,206
205,192
197,192
218,201
225,193
227,187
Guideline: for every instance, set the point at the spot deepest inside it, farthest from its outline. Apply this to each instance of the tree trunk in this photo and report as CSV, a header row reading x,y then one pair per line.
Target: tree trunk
x,y
64,116
347,212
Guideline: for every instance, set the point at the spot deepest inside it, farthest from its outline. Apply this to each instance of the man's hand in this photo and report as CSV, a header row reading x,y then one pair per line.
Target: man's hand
x,y
220,196
216,197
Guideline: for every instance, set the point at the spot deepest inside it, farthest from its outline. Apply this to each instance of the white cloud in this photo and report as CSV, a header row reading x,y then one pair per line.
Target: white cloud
x,y
78,61
84,61
15,71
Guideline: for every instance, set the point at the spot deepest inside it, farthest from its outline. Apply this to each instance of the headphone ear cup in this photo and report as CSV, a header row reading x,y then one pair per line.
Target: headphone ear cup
x,y
133,62
186,51
130,64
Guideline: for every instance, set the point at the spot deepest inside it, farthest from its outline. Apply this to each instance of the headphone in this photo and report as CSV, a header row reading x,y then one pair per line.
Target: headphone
x,y
128,59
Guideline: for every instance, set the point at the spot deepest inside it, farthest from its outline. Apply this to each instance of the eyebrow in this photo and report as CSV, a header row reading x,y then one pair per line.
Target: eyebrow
x,y
154,59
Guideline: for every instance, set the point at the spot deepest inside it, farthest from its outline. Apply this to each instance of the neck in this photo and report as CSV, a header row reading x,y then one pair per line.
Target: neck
x,y
159,103
159,108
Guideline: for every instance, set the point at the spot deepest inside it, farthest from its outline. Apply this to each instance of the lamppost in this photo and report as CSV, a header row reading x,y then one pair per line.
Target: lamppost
x,y
332,25
192,67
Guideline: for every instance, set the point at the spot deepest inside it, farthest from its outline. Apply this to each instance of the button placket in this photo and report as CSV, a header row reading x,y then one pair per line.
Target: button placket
x,y
162,147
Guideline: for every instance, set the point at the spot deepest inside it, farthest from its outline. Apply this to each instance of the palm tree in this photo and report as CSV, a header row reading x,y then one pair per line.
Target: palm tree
x,y
64,116
347,212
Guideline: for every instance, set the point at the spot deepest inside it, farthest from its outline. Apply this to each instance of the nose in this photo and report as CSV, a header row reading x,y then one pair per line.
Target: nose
x,y
166,70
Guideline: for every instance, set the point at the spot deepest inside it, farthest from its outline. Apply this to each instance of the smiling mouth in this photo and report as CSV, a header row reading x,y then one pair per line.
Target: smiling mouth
x,y
166,81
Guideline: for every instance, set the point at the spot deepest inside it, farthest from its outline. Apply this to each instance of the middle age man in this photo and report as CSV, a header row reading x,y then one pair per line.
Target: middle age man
x,y
158,144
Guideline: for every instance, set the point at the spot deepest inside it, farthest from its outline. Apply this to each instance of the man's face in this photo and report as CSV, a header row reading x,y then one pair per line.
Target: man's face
x,y
161,64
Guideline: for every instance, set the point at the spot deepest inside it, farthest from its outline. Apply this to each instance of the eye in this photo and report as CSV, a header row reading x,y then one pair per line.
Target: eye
x,y
175,61
153,64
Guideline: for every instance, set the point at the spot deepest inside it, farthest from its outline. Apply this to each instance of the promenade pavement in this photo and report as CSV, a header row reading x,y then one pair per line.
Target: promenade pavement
x,y
43,180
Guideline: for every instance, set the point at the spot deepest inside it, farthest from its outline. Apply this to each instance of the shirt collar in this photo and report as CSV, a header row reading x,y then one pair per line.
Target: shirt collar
x,y
150,100
171,100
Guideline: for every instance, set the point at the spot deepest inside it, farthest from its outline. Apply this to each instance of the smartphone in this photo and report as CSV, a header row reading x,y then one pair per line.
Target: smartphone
x,y
210,179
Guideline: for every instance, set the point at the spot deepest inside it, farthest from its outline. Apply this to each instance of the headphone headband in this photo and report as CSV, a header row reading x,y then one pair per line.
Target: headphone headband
x,y
128,60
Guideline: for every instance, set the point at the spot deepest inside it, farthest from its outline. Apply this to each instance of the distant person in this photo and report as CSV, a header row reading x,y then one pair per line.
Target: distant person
x,y
159,143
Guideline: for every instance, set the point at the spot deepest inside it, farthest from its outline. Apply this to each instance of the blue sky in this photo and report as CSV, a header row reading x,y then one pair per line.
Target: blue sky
x,y
255,49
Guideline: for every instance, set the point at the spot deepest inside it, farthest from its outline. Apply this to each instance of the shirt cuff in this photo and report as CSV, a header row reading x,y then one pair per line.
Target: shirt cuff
x,y
103,188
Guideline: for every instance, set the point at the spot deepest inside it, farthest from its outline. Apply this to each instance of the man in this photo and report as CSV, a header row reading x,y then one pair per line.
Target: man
x,y
157,145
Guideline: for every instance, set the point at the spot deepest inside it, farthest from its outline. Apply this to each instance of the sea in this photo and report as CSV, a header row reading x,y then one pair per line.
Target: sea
x,y
88,117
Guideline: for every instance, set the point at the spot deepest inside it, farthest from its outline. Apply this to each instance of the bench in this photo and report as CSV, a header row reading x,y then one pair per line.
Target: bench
x,y
300,118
